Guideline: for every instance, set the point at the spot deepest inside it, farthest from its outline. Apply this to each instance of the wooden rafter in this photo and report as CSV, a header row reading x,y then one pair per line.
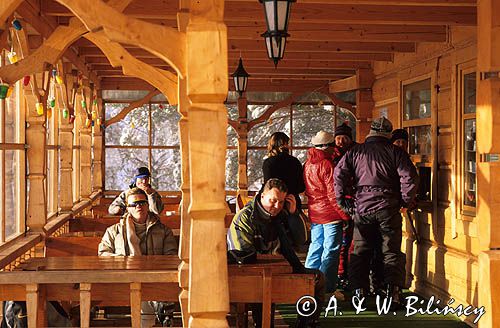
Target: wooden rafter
x,y
133,105
7,7
130,30
45,26
441,3
118,56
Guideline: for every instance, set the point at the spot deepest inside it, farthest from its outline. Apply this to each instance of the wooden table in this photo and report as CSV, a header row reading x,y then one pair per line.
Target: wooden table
x,y
129,280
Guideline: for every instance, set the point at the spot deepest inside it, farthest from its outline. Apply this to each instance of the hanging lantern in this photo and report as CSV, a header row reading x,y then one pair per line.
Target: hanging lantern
x,y
71,119
52,102
16,23
65,113
98,122
84,104
39,108
4,89
94,115
59,79
277,17
26,80
275,44
54,72
12,57
49,113
87,122
240,78
9,91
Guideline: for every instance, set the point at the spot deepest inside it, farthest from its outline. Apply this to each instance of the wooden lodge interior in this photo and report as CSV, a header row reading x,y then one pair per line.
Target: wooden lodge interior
x,y
94,89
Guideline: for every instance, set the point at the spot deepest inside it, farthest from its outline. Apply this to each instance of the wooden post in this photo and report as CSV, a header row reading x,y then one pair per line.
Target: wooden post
x,y
242,147
364,102
97,142
85,298
85,146
66,146
488,168
36,140
36,306
135,303
207,85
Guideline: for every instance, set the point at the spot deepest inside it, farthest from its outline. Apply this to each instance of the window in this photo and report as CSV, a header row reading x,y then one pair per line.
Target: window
x,y
300,121
416,101
468,137
12,162
147,136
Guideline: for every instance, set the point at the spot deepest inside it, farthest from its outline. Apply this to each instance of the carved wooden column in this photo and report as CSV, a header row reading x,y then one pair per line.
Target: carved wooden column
x,y
207,85
183,108
242,147
66,148
85,147
36,141
364,102
97,143
488,147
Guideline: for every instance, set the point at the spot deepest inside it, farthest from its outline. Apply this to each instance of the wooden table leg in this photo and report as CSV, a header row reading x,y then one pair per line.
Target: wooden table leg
x,y
35,306
135,304
85,297
266,298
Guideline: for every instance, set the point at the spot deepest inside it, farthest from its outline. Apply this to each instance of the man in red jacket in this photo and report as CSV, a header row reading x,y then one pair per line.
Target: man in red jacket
x,y
325,215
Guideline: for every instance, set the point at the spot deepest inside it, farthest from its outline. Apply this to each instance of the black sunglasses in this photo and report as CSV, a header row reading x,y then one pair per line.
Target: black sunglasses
x,y
138,203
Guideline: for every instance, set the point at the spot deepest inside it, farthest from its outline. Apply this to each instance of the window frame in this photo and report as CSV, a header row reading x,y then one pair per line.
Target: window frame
x,y
462,70
150,146
418,160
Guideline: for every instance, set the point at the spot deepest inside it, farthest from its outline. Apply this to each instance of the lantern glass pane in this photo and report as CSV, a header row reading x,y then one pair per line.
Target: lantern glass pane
x,y
269,10
282,15
282,47
242,83
236,86
269,47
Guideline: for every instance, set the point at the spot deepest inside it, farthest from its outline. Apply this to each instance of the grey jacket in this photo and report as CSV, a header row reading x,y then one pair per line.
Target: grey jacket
x,y
159,239
118,207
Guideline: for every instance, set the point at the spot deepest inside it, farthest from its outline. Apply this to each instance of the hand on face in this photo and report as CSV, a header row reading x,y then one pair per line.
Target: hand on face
x,y
143,183
291,203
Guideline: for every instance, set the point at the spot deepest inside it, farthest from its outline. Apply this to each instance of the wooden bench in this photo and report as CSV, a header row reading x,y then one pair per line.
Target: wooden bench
x,y
101,223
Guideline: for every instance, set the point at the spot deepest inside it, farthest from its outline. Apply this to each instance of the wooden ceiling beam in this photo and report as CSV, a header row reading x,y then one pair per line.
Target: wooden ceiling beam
x,y
443,3
370,12
343,32
315,46
45,26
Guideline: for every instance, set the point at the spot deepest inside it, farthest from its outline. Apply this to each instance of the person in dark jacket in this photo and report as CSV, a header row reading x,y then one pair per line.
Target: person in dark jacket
x,y
400,138
260,228
385,180
279,164
325,215
344,142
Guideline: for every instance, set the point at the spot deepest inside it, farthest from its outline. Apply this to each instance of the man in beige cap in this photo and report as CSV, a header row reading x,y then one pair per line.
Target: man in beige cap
x,y
325,215
384,180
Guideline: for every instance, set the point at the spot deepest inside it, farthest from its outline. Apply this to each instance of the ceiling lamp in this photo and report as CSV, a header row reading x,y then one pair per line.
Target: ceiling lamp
x,y
240,78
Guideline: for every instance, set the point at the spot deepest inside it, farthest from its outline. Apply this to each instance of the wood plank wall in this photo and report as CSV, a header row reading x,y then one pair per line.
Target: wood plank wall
x,y
445,263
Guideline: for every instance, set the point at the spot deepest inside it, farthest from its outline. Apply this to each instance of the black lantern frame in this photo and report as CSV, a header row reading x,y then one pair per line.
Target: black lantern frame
x,y
277,14
275,45
240,78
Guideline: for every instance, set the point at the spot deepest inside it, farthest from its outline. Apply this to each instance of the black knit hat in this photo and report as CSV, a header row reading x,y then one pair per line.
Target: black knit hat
x,y
142,172
343,130
399,134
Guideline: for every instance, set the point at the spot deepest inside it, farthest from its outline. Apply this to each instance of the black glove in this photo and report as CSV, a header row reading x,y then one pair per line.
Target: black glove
x,y
241,257
347,205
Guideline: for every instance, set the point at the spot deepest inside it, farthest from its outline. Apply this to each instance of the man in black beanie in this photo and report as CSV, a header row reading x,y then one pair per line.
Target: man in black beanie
x,y
343,137
400,138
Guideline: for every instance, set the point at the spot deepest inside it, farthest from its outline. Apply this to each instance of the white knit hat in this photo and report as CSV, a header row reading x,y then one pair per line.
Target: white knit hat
x,y
322,139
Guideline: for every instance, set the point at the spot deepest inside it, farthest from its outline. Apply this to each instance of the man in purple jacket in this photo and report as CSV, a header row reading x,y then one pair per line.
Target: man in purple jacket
x,y
384,180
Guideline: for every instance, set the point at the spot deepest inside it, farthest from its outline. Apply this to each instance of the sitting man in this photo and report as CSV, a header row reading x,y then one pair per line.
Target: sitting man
x,y
141,180
260,227
139,232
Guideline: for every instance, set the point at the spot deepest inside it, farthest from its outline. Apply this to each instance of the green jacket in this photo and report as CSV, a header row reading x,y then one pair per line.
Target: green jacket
x,y
159,239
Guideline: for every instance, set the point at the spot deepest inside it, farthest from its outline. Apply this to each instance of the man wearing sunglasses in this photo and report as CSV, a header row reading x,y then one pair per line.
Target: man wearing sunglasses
x,y
142,181
139,232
